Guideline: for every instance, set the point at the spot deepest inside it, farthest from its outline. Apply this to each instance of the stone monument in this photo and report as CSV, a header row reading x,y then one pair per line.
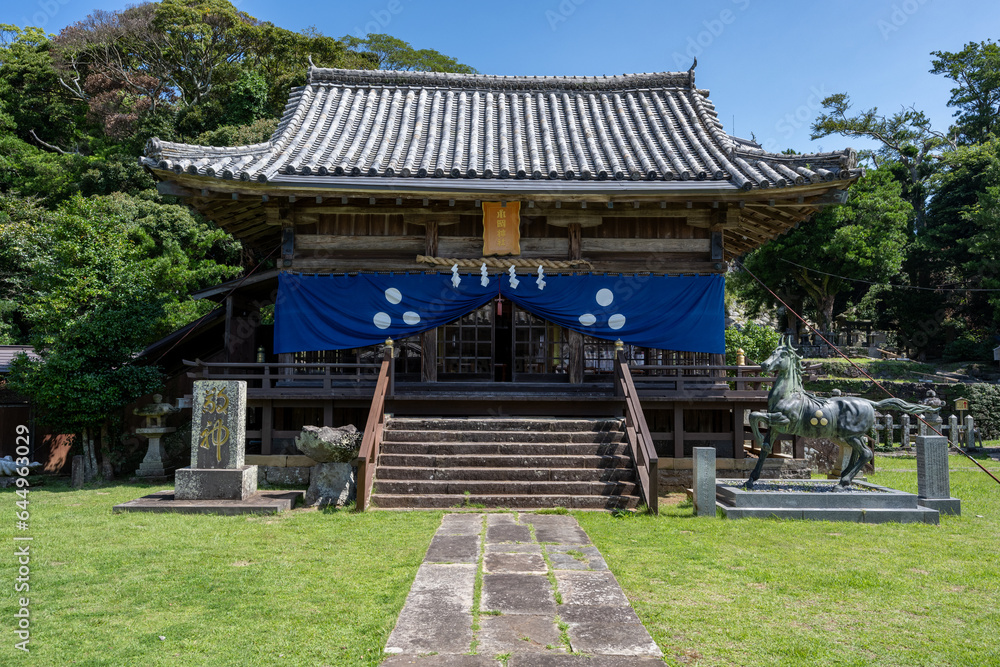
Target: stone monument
x,y
703,477
154,430
218,428
933,484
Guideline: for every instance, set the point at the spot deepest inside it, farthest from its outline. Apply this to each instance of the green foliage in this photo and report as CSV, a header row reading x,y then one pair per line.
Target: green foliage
x,y
976,95
392,53
256,132
968,348
757,343
984,406
31,97
95,281
247,100
908,144
865,239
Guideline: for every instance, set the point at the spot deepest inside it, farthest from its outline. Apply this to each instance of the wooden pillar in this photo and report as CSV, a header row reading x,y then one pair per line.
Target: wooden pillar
x,y
266,427
575,341
240,330
718,360
739,434
678,431
428,356
575,240
328,413
431,239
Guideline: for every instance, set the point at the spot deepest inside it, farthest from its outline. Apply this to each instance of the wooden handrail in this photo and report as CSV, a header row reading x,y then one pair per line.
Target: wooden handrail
x,y
371,442
639,439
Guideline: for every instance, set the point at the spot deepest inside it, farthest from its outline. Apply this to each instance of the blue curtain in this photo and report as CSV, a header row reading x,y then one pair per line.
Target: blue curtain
x,y
684,313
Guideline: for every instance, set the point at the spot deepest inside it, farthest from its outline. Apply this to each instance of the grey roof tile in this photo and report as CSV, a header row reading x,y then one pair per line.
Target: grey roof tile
x,y
366,124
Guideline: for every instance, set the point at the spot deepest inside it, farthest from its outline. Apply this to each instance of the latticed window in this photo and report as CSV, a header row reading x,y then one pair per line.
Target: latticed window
x,y
466,345
539,346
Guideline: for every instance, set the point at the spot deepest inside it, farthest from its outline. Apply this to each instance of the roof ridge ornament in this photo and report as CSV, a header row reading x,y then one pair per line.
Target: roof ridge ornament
x,y
691,72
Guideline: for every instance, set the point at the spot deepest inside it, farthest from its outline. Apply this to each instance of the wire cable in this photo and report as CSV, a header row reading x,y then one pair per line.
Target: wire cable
x,y
868,282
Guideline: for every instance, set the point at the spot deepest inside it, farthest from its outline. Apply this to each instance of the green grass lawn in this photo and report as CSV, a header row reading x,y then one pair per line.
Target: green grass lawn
x,y
768,592
302,588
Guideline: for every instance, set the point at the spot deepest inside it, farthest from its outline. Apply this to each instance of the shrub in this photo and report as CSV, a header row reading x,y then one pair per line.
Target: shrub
x,y
756,341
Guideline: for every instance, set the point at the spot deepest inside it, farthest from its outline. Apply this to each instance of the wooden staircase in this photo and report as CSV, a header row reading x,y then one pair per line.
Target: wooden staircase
x,y
516,463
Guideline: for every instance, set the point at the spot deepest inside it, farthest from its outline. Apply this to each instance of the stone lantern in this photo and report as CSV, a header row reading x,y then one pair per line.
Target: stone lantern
x,y
154,430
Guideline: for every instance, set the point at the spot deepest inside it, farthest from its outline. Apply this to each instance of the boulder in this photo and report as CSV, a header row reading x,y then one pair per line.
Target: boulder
x,y
325,444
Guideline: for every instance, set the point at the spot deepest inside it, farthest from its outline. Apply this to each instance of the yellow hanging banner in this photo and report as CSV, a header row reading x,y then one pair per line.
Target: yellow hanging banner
x,y
501,228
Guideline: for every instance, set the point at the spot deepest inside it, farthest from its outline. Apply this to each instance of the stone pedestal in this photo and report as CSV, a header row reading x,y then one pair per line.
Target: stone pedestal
x,y
215,483
703,474
933,484
332,484
218,429
152,464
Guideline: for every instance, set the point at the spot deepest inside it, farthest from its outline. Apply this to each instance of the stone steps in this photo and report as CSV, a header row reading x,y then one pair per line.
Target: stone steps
x,y
540,437
509,473
502,487
506,448
500,424
525,502
504,462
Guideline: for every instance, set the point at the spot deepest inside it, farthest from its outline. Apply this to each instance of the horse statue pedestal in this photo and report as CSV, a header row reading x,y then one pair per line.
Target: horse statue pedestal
x,y
820,500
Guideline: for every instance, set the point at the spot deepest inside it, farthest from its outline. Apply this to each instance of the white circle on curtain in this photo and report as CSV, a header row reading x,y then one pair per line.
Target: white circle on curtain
x,y
587,319
393,295
605,297
616,321
382,320
411,317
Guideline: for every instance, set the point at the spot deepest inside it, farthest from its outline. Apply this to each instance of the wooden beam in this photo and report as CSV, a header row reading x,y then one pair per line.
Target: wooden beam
x,y
645,245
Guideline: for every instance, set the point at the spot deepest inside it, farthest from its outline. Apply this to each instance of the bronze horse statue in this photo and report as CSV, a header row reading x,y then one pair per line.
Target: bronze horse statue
x,y
791,409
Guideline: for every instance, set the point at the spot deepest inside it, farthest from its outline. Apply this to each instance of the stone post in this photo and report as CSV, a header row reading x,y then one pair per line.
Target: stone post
x,y
703,477
218,447
953,430
933,485
970,432
904,431
78,472
888,431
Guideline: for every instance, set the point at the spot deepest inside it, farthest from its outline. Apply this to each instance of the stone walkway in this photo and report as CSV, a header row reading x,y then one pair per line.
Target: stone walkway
x,y
546,599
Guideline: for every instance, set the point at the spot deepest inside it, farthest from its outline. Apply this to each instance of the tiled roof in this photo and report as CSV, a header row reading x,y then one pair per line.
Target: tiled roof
x,y
9,352
427,125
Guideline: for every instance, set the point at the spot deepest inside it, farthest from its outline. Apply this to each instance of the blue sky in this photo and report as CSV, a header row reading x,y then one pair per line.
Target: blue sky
x,y
767,64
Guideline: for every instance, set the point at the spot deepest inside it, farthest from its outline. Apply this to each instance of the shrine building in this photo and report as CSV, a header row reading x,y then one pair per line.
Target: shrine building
x,y
513,284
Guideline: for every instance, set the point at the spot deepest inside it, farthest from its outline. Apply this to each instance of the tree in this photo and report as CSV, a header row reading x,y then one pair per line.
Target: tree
x,y
95,281
909,145
864,239
33,106
976,96
392,53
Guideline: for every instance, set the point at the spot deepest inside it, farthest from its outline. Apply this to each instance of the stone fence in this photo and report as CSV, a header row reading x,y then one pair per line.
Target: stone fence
x,y
888,433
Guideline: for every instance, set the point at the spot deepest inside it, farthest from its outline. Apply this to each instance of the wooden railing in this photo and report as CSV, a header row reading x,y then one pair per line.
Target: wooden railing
x,y
286,375
371,442
700,379
638,436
